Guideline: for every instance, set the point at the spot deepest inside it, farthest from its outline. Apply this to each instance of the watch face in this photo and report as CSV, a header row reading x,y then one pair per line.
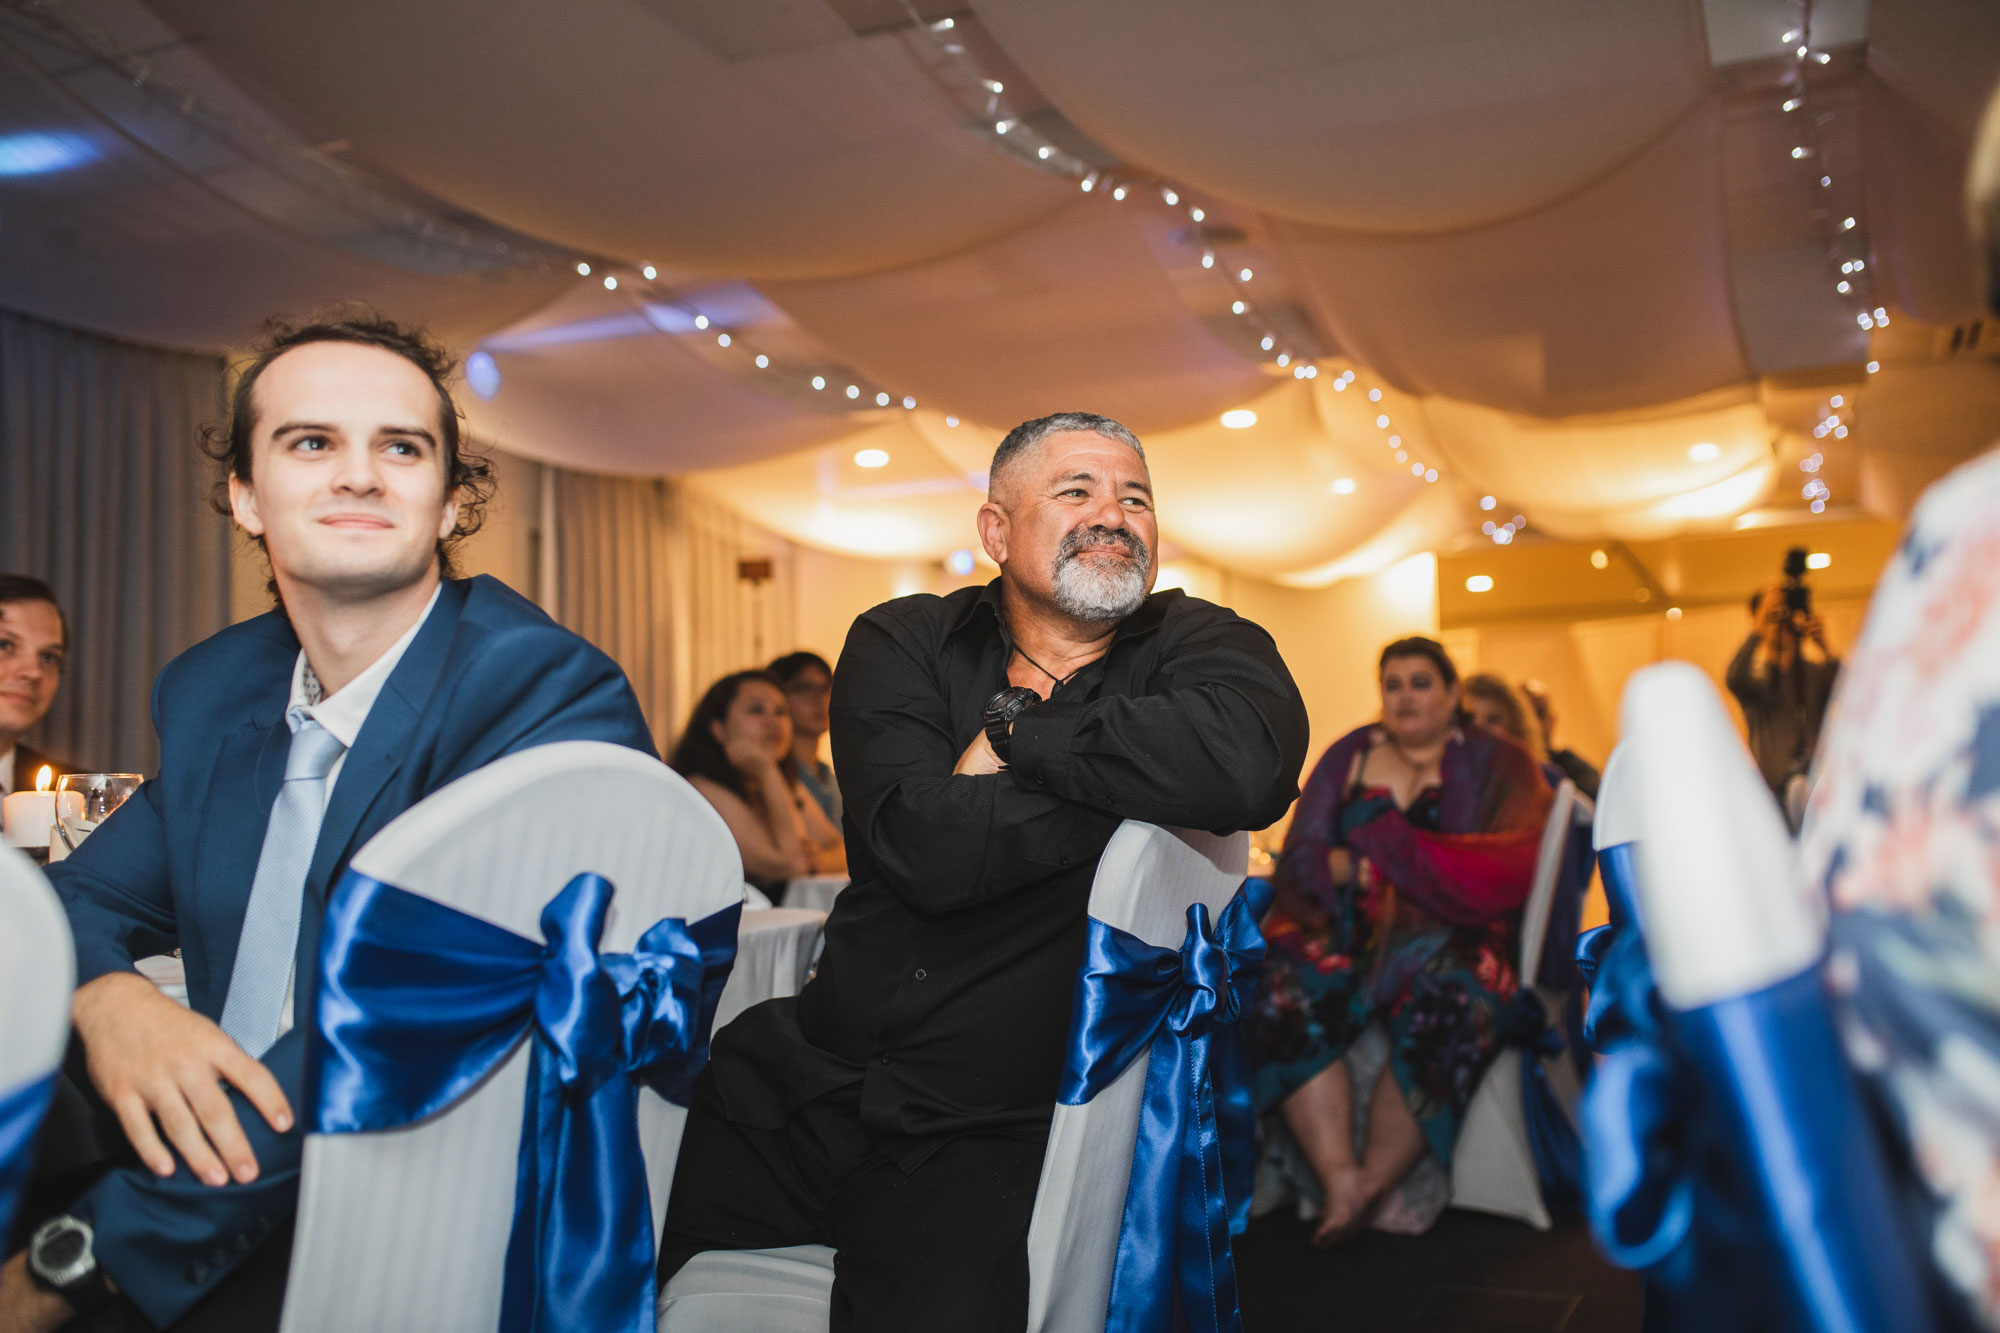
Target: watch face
x,y
60,1253
63,1249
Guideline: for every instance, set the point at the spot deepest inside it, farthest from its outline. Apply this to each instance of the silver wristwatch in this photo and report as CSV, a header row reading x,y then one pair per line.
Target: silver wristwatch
x,y
61,1259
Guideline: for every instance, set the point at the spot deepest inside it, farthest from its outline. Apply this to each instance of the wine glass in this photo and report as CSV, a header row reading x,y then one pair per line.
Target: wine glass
x,y
85,800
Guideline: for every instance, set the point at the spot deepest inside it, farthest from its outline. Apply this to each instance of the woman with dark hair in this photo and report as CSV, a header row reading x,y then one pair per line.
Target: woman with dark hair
x,y
1406,864
733,751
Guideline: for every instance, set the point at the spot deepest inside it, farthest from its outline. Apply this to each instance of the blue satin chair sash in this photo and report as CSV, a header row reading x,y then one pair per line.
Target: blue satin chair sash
x,y
420,1002
1195,1159
1728,1143
1552,1137
21,1111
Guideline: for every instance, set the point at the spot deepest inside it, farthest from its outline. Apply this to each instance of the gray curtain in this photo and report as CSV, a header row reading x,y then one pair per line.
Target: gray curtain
x,y
104,493
648,570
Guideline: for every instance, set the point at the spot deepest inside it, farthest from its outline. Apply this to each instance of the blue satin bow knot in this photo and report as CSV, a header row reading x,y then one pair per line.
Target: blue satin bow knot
x,y
420,1002
1195,1158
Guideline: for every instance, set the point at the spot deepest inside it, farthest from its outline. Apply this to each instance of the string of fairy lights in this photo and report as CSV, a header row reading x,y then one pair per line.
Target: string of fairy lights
x,y
1839,219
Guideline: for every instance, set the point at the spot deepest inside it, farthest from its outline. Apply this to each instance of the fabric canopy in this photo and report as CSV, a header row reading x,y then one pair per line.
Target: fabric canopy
x,y
1564,244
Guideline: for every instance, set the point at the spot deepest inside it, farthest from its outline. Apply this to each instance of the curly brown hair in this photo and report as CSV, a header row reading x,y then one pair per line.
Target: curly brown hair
x,y
468,474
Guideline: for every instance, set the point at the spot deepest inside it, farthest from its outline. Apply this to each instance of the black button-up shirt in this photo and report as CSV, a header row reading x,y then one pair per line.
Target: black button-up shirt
x,y
944,987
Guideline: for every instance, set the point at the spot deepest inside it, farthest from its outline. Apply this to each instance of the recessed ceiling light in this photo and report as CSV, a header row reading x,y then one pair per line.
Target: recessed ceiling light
x,y
1818,560
1599,560
1239,418
1479,583
1343,486
1704,452
872,458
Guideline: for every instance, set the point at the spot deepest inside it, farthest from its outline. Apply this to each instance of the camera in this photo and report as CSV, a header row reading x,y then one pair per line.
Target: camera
x,y
1798,596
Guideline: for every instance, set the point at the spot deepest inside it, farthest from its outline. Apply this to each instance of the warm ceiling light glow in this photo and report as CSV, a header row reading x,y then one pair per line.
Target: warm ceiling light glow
x,y
1487,502
872,458
1239,418
1599,560
1479,583
1704,452
1343,485
1818,560
1673,613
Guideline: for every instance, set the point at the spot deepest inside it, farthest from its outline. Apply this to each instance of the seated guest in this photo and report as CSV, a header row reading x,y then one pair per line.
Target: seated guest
x,y
808,685
1406,864
1574,766
1899,833
34,640
988,743
286,742
1496,705
734,751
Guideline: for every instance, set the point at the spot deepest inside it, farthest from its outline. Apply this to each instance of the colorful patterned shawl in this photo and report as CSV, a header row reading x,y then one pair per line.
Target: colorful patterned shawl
x,y
1476,869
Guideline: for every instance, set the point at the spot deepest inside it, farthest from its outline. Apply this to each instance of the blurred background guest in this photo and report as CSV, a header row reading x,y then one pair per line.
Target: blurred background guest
x,y
734,751
1404,870
1574,766
34,640
1493,703
808,684
1783,676
1899,833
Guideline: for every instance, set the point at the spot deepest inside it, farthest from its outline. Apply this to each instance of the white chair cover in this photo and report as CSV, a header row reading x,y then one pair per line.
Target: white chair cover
x,y
37,973
407,1229
1493,1166
1722,901
814,892
1618,815
1145,882
775,952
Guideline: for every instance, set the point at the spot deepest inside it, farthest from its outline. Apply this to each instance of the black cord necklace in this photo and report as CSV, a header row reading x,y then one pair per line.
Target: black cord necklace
x,y
1059,680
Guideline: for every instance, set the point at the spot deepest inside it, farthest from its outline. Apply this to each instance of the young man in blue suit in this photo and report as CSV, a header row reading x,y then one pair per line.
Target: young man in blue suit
x,y
286,742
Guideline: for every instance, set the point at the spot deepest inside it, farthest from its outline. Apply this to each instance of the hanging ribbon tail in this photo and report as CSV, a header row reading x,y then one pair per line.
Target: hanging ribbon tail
x,y
420,1002
1194,1157
21,1111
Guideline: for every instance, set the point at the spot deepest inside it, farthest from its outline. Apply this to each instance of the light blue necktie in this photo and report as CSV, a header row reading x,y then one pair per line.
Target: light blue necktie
x,y
270,936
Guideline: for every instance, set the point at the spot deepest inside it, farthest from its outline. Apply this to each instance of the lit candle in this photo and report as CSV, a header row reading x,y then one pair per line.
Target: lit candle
x,y
29,817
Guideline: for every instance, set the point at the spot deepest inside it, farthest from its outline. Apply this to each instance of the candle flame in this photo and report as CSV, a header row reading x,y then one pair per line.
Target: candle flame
x,y
43,778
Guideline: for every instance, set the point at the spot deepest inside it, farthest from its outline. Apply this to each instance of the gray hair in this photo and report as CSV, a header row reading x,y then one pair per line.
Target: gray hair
x,y
1031,433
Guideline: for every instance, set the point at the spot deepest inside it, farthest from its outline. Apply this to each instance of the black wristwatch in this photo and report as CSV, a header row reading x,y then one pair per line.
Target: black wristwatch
x,y
61,1260
1001,710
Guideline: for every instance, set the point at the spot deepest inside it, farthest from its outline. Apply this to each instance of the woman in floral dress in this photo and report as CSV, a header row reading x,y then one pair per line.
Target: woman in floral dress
x,y
1399,890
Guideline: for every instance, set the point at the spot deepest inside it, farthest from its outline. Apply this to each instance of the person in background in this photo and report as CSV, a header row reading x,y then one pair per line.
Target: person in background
x,y
1899,833
34,643
1403,872
1574,766
1496,705
807,681
1782,676
734,750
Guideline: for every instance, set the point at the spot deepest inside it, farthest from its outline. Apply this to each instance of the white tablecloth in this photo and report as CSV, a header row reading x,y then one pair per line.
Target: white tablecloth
x,y
775,952
814,892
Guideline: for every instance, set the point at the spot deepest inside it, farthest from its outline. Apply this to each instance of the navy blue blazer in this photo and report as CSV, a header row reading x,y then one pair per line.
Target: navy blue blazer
x,y
487,675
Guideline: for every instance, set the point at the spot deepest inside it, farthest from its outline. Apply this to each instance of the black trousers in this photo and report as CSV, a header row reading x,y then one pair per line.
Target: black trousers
x,y
942,1246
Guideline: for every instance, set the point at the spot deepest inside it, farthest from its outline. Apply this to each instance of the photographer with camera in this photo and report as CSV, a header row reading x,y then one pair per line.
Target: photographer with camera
x,y
1783,676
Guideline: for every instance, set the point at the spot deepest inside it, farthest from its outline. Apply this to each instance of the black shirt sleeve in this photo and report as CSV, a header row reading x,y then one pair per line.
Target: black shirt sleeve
x,y
1218,746
941,842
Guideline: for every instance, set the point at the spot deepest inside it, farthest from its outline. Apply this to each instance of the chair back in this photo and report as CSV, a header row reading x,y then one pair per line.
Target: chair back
x,y
1720,895
408,1228
1550,860
37,974
1146,881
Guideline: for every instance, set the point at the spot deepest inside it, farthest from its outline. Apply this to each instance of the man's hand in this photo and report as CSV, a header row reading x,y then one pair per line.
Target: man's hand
x,y
152,1060
26,1307
978,759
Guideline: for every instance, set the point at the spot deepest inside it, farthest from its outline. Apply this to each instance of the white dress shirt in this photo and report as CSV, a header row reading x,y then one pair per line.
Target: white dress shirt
x,y
7,770
342,714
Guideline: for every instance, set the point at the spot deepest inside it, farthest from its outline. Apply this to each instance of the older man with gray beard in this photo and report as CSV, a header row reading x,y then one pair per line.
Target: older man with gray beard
x,y
988,743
